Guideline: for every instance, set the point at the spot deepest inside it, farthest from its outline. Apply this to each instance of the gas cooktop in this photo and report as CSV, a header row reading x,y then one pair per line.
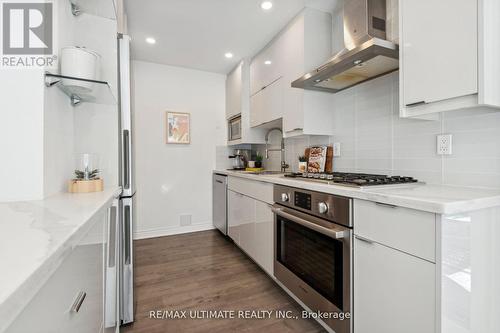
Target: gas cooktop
x,y
352,179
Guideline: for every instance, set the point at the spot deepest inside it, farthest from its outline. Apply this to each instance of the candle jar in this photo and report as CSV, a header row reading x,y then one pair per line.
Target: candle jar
x,y
86,176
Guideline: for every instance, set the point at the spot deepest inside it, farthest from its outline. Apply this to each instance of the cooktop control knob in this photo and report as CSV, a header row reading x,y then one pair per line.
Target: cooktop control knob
x,y
322,207
284,197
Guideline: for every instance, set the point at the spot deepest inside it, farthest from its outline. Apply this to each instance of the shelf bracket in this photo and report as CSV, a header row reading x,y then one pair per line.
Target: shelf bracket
x,y
50,81
75,100
75,9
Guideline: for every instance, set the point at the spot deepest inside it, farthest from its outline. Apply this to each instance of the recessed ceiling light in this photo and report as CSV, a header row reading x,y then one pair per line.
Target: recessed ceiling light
x,y
150,40
268,62
266,5
228,55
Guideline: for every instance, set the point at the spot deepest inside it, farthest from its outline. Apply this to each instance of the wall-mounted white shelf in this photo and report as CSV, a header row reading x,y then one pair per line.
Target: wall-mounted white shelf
x,y
102,8
82,90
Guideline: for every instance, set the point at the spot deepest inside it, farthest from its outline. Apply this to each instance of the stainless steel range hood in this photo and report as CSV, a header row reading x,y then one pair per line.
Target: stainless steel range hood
x,y
367,54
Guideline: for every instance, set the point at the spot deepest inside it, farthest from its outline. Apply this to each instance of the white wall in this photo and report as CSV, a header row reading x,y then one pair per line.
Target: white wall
x,y
96,125
175,179
58,115
21,134
39,130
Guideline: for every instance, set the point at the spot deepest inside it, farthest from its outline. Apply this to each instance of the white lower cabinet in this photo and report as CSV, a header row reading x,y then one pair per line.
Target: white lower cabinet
x,y
250,226
72,299
394,292
264,236
234,200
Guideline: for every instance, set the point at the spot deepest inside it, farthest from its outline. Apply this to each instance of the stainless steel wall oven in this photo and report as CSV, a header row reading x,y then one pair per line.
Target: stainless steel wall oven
x,y
313,251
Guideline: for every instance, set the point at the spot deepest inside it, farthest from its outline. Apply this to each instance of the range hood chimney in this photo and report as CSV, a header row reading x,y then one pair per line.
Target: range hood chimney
x,y
367,53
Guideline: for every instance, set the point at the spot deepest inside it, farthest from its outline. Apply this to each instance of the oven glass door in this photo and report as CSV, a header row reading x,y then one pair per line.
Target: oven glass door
x,y
312,256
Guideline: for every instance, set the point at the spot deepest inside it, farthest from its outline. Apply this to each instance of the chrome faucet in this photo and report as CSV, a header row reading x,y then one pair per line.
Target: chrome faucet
x,y
284,166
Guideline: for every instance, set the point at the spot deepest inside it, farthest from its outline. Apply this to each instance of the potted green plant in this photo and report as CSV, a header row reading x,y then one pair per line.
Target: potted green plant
x,y
302,163
258,160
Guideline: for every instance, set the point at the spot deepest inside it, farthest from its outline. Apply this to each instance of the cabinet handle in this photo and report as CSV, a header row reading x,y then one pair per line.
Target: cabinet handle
x,y
78,301
366,240
416,103
219,181
385,205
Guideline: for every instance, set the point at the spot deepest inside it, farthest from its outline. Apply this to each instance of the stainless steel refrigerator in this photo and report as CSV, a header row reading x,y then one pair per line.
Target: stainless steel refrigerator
x,y
127,181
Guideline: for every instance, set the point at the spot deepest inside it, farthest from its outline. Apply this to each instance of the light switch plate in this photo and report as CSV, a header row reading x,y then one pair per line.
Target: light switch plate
x,y
336,149
444,144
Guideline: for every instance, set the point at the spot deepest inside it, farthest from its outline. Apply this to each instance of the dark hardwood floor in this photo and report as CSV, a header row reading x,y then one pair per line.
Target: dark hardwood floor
x,y
205,271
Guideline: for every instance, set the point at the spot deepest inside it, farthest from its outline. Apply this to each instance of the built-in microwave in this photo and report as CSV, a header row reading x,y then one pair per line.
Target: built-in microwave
x,y
234,128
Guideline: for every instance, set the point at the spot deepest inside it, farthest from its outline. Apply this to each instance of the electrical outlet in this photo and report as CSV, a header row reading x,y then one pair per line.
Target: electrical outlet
x,y
185,220
336,149
444,144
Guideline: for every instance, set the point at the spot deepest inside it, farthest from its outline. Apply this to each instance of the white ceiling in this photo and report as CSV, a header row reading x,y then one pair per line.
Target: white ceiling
x,y
197,33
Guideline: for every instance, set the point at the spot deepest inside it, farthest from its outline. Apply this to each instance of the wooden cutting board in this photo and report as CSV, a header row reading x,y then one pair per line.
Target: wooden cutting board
x,y
329,158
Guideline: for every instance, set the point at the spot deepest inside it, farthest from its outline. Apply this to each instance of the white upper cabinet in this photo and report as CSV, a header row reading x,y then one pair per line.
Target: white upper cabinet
x,y
233,92
302,46
448,55
238,103
267,66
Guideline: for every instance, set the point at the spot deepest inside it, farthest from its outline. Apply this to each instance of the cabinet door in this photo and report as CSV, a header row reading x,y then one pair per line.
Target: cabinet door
x,y
264,236
233,215
393,292
59,306
233,92
438,50
247,225
266,67
272,101
256,109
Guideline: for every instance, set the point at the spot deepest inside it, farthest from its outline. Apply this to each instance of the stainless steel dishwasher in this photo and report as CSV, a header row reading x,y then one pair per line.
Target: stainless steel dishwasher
x,y
219,201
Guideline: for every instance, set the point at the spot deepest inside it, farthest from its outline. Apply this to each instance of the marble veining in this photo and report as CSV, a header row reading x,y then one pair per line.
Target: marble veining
x,y
439,199
35,237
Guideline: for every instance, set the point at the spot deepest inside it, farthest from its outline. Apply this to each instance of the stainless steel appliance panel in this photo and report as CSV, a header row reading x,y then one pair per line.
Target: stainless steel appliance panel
x,y
234,128
127,260
315,265
327,206
313,251
219,201
111,291
127,179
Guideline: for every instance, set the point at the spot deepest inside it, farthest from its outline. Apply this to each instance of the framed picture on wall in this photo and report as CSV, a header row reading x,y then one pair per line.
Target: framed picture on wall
x,y
178,127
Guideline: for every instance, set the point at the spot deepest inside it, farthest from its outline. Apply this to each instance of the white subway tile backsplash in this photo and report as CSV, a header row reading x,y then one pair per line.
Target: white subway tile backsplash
x,y
375,139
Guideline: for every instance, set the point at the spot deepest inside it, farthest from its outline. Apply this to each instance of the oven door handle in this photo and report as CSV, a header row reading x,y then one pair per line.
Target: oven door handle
x,y
336,232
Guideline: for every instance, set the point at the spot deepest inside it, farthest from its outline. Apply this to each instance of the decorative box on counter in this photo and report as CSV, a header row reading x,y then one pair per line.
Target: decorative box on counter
x,y
87,175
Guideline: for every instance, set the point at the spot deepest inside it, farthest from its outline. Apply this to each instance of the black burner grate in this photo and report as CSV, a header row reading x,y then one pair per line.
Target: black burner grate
x,y
355,179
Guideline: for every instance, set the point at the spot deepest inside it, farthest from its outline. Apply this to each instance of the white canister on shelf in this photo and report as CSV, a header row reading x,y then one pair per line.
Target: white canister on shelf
x,y
82,63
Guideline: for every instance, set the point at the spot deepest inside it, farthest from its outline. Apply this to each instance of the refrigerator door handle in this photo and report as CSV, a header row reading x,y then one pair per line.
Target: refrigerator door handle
x,y
126,159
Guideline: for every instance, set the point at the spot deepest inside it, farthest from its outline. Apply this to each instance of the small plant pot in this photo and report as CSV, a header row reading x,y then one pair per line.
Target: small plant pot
x,y
251,164
85,186
258,164
302,167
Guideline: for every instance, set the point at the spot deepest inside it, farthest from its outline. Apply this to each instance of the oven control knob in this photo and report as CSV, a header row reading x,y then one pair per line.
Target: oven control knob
x,y
284,197
322,207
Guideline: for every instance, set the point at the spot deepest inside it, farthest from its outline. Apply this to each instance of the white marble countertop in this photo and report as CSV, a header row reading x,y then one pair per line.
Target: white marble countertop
x,y
440,199
35,237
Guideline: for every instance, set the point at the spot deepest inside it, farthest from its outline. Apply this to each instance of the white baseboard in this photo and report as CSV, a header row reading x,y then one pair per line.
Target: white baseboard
x,y
168,231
